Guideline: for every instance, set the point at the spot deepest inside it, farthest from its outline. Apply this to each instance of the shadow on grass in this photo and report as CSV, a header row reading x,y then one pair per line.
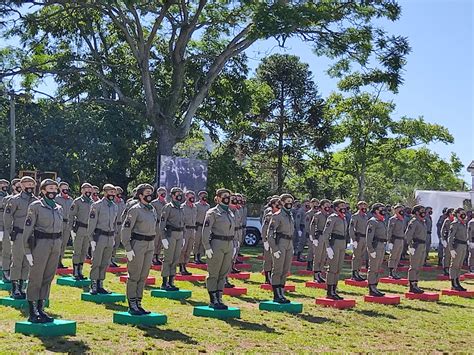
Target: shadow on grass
x,y
298,295
245,325
446,304
167,335
64,345
116,307
313,319
193,303
417,309
372,313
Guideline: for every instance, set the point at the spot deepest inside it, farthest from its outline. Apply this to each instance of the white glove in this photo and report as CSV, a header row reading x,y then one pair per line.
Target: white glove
x,y
411,251
354,244
471,245
389,246
266,245
234,251
29,257
453,253
315,242
444,243
300,233
277,254
330,252
373,255
184,242
165,243
209,253
130,255
93,245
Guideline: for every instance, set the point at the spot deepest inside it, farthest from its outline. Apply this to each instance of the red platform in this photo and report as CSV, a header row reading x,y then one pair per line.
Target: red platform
x,y
156,267
149,281
429,268
446,278
468,276
64,271
122,260
427,296
347,257
387,299
313,284
117,270
240,276
288,288
197,266
289,273
243,266
342,304
405,262
243,258
260,257
304,272
191,278
299,263
351,282
467,294
381,271
235,291
388,280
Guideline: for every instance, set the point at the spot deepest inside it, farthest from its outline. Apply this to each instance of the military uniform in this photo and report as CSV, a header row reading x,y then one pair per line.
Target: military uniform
x,y
305,238
357,230
65,202
446,250
138,234
376,239
470,239
201,210
118,226
101,230
158,205
237,235
396,236
14,219
267,255
334,235
316,228
457,241
3,195
6,245
415,236
190,213
429,229
299,220
171,228
218,235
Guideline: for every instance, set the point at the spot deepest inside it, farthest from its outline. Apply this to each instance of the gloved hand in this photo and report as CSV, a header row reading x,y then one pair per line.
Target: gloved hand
x,y
93,245
453,253
389,246
29,257
277,254
354,244
234,251
165,243
330,252
471,245
184,242
130,254
315,242
300,233
209,253
373,255
444,243
266,245
411,251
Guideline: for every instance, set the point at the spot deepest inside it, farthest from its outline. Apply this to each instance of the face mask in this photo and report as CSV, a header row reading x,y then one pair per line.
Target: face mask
x,y
147,198
5,188
327,209
462,215
342,211
307,207
422,214
163,195
29,190
401,213
430,213
18,189
234,202
51,195
363,210
191,199
225,200
119,196
204,199
111,197
179,198
88,194
288,206
66,192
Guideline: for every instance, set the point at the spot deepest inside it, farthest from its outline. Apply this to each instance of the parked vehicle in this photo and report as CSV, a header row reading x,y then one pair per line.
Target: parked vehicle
x,y
253,233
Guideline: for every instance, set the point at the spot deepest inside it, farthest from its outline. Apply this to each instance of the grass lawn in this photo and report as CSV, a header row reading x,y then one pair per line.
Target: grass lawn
x,y
444,326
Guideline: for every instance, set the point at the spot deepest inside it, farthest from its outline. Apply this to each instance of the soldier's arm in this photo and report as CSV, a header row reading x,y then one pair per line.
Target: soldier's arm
x,y
409,232
445,229
30,223
163,220
328,229
312,227
206,230
72,214
271,232
439,226
452,233
370,231
127,227
10,209
352,228
92,223
391,225
266,223
470,231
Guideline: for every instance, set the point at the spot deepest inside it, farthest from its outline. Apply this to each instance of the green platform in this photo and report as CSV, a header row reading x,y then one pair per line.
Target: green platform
x,y
103,298
174,295
148,320
206,311
7,286
293,307
57,328
71,281
11,302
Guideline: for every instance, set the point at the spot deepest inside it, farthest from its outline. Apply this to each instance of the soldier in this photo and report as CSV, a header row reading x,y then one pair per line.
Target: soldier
x,y
444,240
235,208
171,229
274,206
78,219
101,231
42,241
242,227
244,219
280,232
3,193
202,207
376,239
138,234
457,241
7,247
158,204
357,230
218,236
396,239
315,232
470,235
299,225
14,219
439,225
65,201
313,208
415,236
429,227
119,201
334,236
190,212
95,193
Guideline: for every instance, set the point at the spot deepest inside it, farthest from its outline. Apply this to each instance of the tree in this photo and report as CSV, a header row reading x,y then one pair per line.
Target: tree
x,y
161,58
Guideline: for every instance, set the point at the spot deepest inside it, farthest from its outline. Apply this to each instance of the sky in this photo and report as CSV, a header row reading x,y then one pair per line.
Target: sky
x,y
439,75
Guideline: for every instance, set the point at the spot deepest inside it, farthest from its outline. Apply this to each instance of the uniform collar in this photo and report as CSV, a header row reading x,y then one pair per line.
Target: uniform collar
x,y
44,204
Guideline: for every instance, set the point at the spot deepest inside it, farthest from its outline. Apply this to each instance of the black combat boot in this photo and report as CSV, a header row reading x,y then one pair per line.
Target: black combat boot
x,y
267,277
113,264
227,283
139,306
81,275
15,293
281,291
46,318
356,276
309,265
171,284
75,272
133,307
393,275
197,259
373,291
414,287
299,257
164,284
101,289
61,266
330,292
22,287
319,278
34,316
93,290
418,288
219,300
276,294
446,271
454,285
234,270
6,276
185,271
459,285
213,301
339,298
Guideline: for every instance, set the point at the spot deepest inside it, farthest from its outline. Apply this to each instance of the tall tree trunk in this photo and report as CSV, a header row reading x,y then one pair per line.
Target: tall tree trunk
x,y
166,141
281,132
361,182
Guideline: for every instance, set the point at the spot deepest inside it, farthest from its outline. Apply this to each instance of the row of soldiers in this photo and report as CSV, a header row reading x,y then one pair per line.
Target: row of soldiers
x,y
328,229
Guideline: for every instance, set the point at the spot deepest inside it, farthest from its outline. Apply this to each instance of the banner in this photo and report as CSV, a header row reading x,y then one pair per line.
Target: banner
x,y
189,174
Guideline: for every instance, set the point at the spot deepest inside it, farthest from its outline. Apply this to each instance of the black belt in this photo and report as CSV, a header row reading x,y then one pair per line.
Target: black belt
x,y
458,241
317,234
147,238
65,220
199,224
337,236
174,229
102,232
378,240
80,224
192,227
17,230
44,235
238,228
418,241
222,237
428,232
119,223
284,236
397,237
360,235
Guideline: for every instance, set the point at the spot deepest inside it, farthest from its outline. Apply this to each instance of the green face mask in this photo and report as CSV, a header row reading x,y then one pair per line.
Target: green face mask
x,y
224,207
